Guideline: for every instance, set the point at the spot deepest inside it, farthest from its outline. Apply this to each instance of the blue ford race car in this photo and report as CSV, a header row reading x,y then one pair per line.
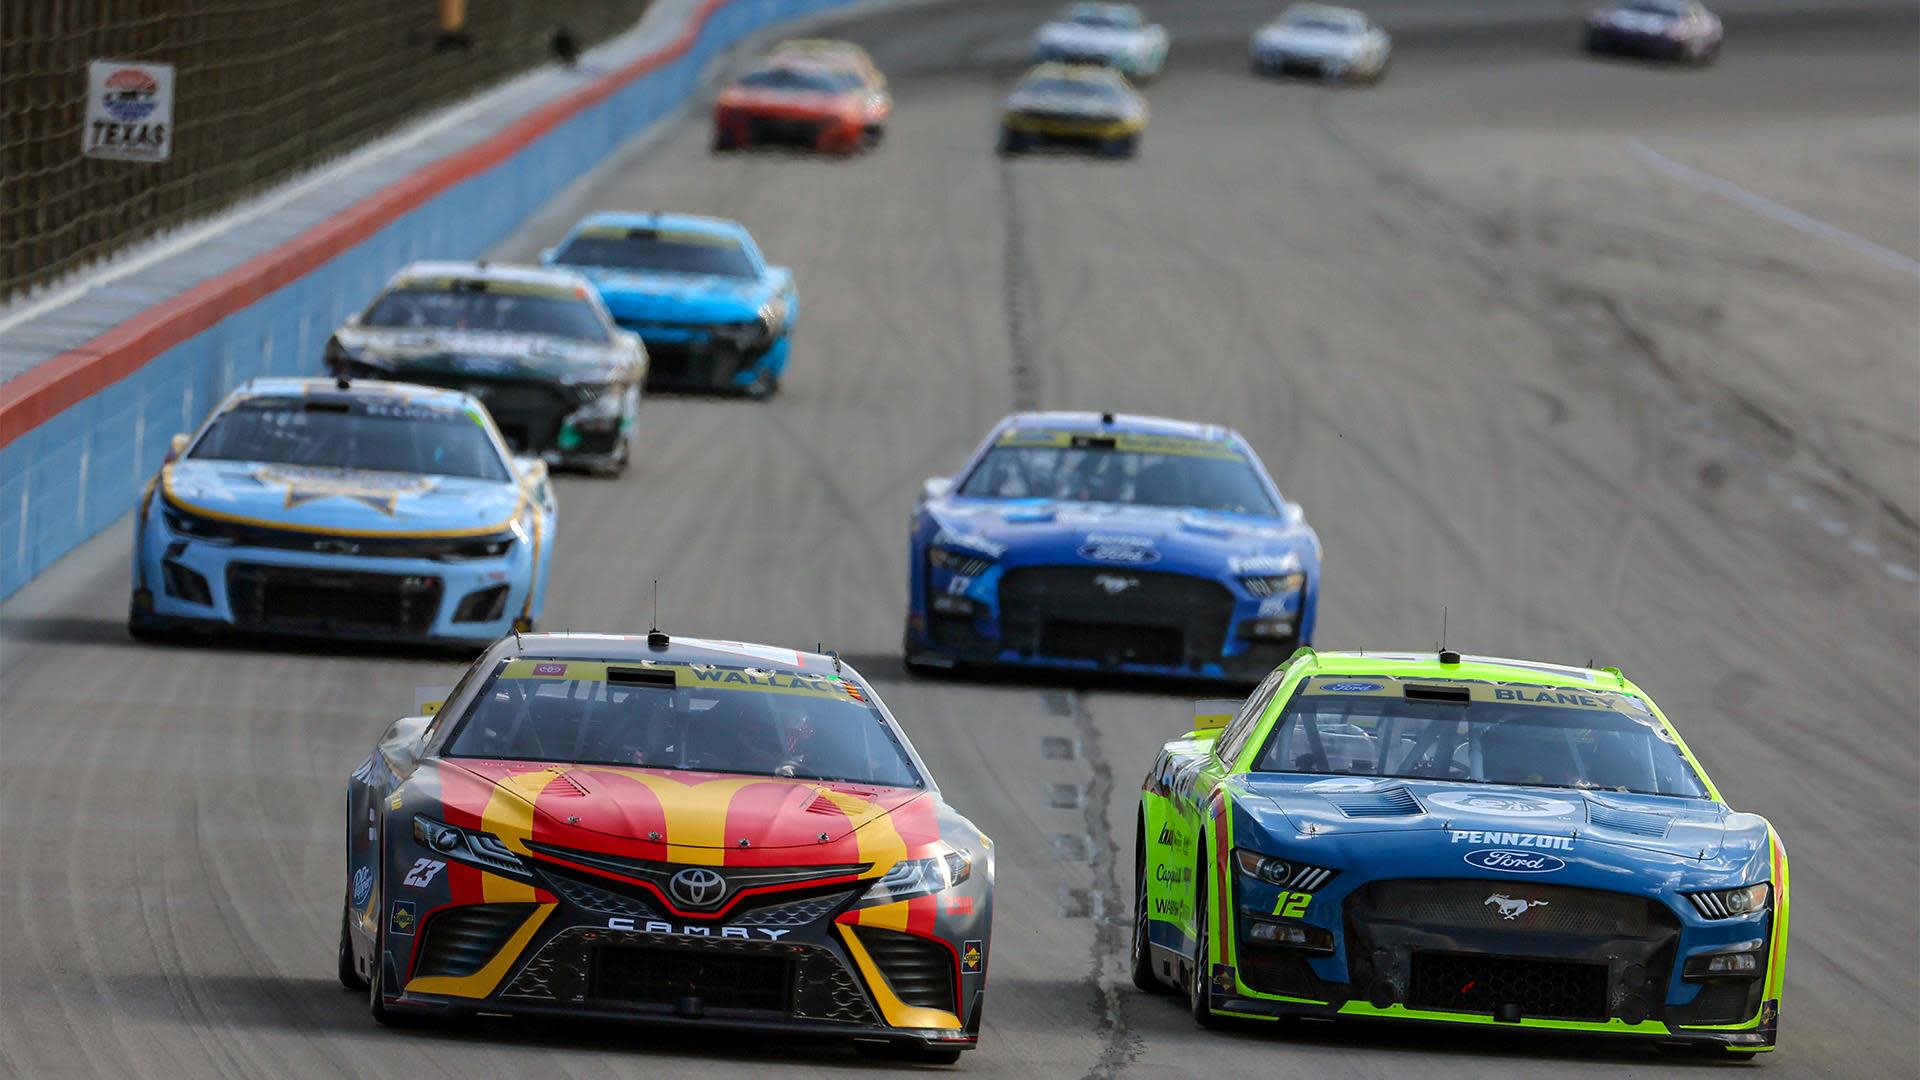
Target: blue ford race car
x,y
1449,839
1095,542
713,314
371,511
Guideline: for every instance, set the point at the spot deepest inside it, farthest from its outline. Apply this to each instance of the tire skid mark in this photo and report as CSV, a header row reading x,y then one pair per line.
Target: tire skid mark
x,y
1119,1043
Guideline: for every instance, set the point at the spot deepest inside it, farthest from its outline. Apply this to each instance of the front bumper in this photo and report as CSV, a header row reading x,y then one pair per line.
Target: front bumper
x,y
710,358
1615,41
182,582
1276,61
1092,618
828,133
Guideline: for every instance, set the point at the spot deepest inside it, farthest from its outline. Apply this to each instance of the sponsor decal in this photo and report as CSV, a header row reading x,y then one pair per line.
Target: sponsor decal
x,y
656,926
1223,978
423,873
1115,584
992,549
362,887
1508,861
1277,606
1513,839
698,887
129,113
1509,907
549,669
1350,687
1264,564
1119,548
970,958
402,918
1293,905
1550,697
1501,805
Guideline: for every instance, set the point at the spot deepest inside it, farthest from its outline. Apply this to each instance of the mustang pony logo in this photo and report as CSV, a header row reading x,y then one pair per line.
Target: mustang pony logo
x,y
1509,908
378,491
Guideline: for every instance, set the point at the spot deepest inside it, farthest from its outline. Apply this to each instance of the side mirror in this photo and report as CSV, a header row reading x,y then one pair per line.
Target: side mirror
x,y
1294,514
548,255
936,487
177,446
401,745
529,466
633,339
353,319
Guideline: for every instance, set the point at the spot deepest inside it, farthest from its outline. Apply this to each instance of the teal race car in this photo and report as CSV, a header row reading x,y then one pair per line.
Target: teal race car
x,y
1457,840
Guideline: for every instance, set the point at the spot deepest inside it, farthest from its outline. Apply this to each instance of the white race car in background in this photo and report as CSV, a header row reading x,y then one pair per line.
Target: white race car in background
x,y
1110,35
1322,41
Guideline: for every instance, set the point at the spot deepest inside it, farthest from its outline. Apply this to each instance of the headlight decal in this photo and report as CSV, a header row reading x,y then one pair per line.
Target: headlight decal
x,y
1732,903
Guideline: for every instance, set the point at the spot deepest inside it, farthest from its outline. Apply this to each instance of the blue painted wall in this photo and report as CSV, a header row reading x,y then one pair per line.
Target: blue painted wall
x,y
75,474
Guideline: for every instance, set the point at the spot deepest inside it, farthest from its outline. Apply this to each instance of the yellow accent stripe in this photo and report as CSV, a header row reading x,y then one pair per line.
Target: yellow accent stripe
x,y
482,982
166,490
509,816
898,1013
696,814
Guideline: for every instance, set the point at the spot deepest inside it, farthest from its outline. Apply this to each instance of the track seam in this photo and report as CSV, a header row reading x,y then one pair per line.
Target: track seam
x,y
1017,291
1119,1044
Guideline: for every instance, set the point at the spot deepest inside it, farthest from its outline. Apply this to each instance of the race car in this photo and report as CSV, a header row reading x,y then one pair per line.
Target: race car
x,y
1321,41
714,315
536,345
676,830
1101,543
1109,35
362,511
825,106
1076,106
1655,29
1457,840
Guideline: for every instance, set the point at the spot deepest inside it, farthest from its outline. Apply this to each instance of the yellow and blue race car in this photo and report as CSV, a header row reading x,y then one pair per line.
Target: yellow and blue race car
x,y
1457,840
369,511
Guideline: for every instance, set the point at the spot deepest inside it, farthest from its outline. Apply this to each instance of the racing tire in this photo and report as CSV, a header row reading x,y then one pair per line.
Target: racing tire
x,y
724,141
1199,997
875,135
349,977
1140,952
1011,145
762,388
151,634
1123,148
919,1055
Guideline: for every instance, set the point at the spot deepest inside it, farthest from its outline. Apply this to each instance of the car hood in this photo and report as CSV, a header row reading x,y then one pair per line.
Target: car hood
x,y
1315,42
588,805
789,101
476,353
1025,531
1067,105
635,295
346,501
1465,818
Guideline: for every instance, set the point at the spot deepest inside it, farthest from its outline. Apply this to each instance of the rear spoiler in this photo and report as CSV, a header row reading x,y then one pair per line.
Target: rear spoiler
x,y
1212,714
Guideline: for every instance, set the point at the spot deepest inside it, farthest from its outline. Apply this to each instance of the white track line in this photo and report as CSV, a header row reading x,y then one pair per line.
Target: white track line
x,y
1786,215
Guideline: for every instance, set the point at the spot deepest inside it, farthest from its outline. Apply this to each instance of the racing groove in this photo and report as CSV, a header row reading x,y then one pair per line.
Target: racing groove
x,y
1509,371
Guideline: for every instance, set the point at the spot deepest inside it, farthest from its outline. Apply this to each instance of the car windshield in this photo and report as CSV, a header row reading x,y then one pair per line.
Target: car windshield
x,y
807,80
1483,733
1135,470
515,312
1667,11
660,251
1320,24
1102,18
373,433
1088,89
691,717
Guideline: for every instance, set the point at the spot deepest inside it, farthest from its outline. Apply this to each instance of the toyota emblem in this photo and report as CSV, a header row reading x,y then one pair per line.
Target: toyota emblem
x,y
698,887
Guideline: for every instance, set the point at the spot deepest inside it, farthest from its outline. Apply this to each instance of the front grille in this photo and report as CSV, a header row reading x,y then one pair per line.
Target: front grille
x,y
1556,990
920,971
482,605
594,898
1725,1001
1284,972
763,130
797,913
680,366
460,941
301,599
1114,615
1448,906
643,975
770,884
370,547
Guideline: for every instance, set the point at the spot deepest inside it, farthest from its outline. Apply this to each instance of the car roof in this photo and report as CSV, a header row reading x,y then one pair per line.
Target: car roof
x,y
629,219
1472,668
1128,423
675,650
490,271
323,389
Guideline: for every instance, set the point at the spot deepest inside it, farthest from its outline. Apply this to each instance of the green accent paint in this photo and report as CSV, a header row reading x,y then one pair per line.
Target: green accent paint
x,y
1611,1027
568,437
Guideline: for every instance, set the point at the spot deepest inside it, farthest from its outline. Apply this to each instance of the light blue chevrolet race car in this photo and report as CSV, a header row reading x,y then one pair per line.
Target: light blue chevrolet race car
x,y
714,315
367,511
1095,542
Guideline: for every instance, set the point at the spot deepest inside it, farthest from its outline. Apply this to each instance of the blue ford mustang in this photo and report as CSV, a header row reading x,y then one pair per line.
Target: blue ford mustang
x,y
371,511
713,314
1110,543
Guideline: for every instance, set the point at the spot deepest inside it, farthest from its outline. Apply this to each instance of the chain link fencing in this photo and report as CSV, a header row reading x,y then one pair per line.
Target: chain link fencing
x,y
263,89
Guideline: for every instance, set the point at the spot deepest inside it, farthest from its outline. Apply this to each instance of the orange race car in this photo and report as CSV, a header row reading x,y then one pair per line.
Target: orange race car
x,y
827,106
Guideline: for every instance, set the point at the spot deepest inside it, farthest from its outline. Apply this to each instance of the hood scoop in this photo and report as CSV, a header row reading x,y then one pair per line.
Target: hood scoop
x,y
1385,802
1621,819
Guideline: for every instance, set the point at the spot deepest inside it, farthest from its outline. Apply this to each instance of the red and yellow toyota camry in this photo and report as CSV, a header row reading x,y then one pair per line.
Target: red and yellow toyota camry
x,y
667,829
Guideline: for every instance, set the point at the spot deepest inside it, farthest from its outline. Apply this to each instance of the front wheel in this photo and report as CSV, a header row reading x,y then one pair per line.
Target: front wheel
x,y
1199,997
1141,958
349,975
1011,143
1125,146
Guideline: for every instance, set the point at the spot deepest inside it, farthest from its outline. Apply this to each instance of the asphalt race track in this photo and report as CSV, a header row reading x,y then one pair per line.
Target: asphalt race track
x,y
1503,324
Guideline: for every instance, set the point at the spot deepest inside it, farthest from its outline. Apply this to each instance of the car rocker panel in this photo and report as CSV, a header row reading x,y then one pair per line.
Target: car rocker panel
x,y
1394,898
338,552
626,893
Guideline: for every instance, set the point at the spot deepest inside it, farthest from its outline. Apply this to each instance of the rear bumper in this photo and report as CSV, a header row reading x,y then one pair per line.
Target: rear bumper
x,y
1632,43
699,360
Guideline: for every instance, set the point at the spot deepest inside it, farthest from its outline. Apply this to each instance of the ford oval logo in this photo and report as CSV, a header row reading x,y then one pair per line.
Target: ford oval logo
x,y
1514,862
1111,552
697,887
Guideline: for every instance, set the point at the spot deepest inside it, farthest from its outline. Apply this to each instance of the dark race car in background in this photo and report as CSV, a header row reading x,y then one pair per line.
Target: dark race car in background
x,y
680,831
1082,541
535,345
715,315
1655,29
